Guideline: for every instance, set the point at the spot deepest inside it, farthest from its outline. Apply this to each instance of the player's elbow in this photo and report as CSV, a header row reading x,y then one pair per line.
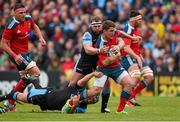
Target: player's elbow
x,y
2,44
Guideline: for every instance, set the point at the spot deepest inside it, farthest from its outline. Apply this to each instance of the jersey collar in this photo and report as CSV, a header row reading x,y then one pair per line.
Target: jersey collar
x,y
130,25
103,38
15,19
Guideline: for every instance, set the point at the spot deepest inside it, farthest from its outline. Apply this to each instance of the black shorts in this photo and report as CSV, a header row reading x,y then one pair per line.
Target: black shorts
x,y
84,67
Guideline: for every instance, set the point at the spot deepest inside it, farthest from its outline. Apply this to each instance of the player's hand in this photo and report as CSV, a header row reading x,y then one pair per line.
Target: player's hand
x,y
115,49
42,41
98,74
103,49
18,59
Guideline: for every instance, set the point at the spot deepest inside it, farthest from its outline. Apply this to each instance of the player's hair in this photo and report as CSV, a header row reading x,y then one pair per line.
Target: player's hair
x,y
134,13
95,19
18,5
108,24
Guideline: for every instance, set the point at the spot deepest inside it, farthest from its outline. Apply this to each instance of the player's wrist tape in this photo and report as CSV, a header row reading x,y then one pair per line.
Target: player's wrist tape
x,y
98,50
14,55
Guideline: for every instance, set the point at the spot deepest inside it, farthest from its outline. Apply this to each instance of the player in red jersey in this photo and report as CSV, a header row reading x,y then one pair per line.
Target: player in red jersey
x,y
14,42
132,60
109,65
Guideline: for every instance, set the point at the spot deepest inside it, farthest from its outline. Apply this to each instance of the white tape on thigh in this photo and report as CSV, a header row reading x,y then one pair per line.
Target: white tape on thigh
x,y
99,82
121,76
135,74
146,71
30,65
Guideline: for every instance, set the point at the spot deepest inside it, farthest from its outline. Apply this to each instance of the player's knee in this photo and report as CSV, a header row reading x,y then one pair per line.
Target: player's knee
x,y
147,73
127,86
135,74
97,91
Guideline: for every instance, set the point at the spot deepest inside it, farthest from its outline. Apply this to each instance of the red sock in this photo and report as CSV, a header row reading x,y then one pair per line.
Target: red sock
x,y
140,86
121,104
20,86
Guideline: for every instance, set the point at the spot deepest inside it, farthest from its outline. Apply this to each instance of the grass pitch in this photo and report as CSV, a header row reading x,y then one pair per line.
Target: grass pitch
x,y
153,109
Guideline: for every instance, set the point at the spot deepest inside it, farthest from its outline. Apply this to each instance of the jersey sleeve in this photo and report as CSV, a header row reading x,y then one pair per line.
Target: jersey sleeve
x,y
87,39
127,41
29,18
8,34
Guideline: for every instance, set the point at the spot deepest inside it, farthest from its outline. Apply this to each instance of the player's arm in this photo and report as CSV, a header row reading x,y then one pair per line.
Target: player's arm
x,y
88,47
125,35
110,60
38,33
6,48
82,82
128,49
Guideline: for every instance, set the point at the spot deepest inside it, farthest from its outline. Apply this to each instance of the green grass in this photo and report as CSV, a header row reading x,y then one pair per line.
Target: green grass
x,y
154,109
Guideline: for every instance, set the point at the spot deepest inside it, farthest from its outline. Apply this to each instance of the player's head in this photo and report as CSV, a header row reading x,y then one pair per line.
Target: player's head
x,y
96,24
108,29
135,18
19,11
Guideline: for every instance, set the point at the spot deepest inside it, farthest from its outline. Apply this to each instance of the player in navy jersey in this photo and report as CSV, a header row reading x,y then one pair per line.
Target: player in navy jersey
x,y
64,100
14,42
87,60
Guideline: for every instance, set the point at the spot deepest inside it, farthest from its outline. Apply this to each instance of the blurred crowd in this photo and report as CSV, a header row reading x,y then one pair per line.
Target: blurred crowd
x,y
63,23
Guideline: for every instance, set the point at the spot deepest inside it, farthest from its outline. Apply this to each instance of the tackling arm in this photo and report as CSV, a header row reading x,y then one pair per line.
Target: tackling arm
x,y
82,82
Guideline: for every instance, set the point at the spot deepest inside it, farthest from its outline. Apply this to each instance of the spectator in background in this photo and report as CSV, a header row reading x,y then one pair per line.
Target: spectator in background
x,y
52,15
158,27
109,12
158,65
170,66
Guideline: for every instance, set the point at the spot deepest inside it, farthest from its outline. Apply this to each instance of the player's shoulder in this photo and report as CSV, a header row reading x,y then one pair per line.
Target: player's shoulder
x,y
12,23
128,28
27,17
87,35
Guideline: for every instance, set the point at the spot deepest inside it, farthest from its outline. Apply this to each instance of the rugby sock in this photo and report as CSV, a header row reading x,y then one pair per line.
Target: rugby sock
x,y
36,84
140,86
21,85
123,99
105,98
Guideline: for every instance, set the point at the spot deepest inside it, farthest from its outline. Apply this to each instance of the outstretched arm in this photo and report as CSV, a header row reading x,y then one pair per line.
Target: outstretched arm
x,y
82,82
125,35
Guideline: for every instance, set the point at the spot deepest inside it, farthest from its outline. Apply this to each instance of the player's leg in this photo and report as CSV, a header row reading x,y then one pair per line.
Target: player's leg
x,y
105,97
24,68
131,66
121,76
147,74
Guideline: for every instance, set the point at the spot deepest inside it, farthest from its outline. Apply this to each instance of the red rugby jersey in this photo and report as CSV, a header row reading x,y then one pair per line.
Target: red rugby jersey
x,y
135,45
102,57
18,34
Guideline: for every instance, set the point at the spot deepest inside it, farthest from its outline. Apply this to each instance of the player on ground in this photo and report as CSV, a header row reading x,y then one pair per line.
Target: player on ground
x,y
110,67
131,57
14,42
51,99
